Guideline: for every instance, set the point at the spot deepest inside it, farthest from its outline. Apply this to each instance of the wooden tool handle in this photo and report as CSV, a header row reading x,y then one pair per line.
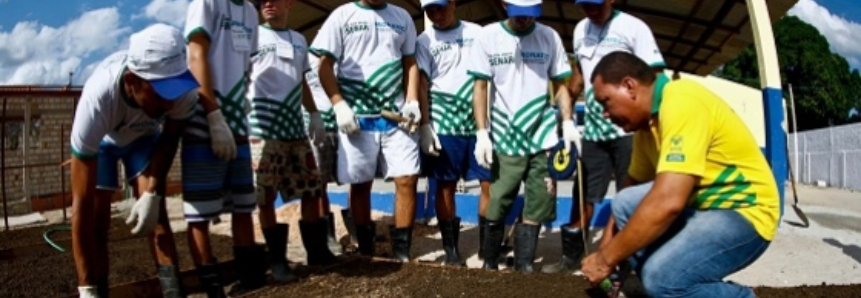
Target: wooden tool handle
x,y
398,118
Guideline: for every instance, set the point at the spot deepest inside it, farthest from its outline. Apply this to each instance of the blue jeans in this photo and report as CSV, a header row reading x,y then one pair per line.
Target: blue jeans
x,y
699,250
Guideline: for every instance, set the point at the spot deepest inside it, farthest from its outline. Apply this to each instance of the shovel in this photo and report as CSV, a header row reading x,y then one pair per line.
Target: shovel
x,y
795,207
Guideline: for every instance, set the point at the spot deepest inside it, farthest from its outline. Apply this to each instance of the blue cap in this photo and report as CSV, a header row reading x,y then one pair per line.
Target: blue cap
x,y
426,3
562,164
172,88
521,8
589,2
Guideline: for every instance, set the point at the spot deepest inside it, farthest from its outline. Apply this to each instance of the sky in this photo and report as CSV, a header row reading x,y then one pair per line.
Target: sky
x,y
41,42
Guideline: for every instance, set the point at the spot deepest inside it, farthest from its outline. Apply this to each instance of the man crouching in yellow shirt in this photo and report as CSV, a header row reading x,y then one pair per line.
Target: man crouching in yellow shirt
x,y
700,201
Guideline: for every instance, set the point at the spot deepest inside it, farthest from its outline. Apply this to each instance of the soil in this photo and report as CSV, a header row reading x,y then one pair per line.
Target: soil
x,y
32,268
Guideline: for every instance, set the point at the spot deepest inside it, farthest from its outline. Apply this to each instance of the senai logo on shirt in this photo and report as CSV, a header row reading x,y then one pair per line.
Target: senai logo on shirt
x,y
501,59
354,27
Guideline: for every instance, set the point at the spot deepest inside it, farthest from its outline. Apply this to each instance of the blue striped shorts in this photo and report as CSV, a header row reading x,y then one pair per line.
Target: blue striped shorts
x,y
211,186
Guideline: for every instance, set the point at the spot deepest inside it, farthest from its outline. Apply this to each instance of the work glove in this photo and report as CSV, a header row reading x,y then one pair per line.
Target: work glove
x,y
145,211
483,149
570,134
411,111
429,140
88,292
346,118
223,144
316,129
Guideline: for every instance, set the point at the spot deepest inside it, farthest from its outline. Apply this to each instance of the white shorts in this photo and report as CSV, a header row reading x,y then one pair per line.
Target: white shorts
x,y
395,151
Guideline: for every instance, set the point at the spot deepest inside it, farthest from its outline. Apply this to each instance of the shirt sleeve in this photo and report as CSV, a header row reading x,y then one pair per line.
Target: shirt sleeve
x,y
685,136
560,69
91,122
329,40
479,60
646,47
200,17
642,167
184,107
409,47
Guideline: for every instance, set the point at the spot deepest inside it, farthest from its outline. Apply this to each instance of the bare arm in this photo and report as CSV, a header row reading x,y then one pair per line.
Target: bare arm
x,y
424,98
575,85
308,99
661,206
328,79
198,49
610,229
479,103
564,100
163,156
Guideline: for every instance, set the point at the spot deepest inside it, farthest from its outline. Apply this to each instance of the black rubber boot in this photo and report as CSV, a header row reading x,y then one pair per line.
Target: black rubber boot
x,y
494,231
171,284
482,225
334,246
315,238
347,216
103,287
401,240
250,263
450,230
276,242
525,241
210,280
366,235
572,251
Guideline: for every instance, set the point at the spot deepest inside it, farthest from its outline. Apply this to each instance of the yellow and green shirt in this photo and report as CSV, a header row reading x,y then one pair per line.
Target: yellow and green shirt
x,y
693,131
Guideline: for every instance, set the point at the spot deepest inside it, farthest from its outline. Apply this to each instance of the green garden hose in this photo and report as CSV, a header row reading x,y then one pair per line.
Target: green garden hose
x,y
47,236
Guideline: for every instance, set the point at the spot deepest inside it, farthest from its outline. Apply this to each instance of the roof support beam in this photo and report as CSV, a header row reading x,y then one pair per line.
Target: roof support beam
x,y
316,6
710,30
684,28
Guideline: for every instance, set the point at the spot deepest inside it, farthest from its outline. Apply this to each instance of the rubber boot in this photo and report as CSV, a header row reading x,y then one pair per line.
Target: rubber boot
x,y
276,242
334,246
482,225
210,280
315,238
572,251
366,235
494,231
250,263
450,230
103,287
171,284
347,216
525,241
401,240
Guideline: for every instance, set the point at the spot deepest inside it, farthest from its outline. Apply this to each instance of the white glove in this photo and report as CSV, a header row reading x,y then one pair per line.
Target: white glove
x,y
88,292
429,140
346,118
570,134
413,112
483,149
223,144
146,212
316,129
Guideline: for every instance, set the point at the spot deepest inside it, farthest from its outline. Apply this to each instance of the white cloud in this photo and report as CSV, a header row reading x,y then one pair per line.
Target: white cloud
x,y
166,11
843,35
33,54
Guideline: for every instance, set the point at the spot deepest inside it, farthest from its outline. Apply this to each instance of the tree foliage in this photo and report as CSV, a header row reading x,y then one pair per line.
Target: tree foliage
x,y
824,85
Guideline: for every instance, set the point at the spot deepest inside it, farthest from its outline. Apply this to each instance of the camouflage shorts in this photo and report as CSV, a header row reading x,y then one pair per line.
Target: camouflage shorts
x,y
289,167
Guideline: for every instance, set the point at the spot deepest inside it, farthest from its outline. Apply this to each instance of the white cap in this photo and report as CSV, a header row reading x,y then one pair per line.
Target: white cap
x,y
426,3
157,54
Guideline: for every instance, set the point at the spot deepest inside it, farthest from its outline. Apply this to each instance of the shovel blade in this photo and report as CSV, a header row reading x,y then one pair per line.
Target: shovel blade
x,y
801,215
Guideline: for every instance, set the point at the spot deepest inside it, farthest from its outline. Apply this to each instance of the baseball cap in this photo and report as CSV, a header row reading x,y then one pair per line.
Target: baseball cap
x,y
523,8
589,1
157,54
426,3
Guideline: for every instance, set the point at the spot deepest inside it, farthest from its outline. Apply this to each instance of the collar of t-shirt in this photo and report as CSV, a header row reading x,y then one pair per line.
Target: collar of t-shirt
x,y
122,90
658,92
520,34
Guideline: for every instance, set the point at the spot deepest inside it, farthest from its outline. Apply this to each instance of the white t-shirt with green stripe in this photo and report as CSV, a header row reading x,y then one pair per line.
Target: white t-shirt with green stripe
x,y
231,26
368,43
443,55
625,33
278,71
520,68
321,99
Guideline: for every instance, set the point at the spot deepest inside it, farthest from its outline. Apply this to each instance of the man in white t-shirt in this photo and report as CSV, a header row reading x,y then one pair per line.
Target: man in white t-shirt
x,y
216,156
520,58
373,43
128,96
443,54
606,147
285,164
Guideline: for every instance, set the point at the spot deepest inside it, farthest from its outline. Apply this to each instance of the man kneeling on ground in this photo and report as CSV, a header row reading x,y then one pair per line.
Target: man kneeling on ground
x,y
700,201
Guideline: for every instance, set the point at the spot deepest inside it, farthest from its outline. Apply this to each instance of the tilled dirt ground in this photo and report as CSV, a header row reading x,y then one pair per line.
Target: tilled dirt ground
x,y
29,267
